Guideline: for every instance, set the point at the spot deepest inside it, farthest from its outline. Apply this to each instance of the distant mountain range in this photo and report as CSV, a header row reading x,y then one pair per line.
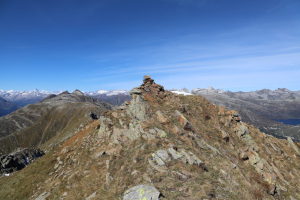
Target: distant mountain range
x,y
259,108
264,94
12,100
23,98
7,107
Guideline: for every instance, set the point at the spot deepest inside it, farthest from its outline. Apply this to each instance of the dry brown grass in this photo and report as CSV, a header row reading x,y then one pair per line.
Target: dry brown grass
x,y
256,178
257,193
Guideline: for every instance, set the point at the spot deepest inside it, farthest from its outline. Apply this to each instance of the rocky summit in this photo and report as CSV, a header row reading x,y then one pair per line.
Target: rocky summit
x,y
162,145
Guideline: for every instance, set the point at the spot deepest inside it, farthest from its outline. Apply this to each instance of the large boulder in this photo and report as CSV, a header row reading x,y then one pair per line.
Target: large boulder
x,y
145,192
18,159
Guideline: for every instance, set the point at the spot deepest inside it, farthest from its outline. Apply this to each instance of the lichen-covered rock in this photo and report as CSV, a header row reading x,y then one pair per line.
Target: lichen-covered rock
x,y
189,158
161,157
183,121
43,196
104,132
160,133
175,154
163,154
225,135
271,180
137,107
175,130
142,192
158,160
242,130
91,196
253,157
243,156
161,118
197,161
157,167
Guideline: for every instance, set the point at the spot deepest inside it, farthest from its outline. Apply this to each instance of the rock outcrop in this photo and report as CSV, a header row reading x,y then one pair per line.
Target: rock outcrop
x,y
18,160
142,192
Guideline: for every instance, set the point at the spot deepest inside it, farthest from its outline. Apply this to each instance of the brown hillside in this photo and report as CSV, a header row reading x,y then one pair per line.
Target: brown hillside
x,y
37,123
184,146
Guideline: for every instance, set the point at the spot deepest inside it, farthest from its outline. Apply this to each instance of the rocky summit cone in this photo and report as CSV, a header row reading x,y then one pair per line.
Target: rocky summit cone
x,y
163,146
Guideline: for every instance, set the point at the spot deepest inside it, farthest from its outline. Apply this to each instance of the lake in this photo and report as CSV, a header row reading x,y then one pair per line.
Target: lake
x,y
293,122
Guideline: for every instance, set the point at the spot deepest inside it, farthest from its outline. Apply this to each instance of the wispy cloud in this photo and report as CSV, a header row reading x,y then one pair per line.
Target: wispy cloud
x,y
234,59
237,73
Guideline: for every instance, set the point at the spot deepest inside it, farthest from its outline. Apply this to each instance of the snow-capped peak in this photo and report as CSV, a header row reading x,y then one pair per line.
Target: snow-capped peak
x,y
207,90
107,92
101,91
116,92
183,91
282,90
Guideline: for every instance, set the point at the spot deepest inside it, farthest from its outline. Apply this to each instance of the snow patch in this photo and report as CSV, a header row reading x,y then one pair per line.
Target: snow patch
x,y
181,92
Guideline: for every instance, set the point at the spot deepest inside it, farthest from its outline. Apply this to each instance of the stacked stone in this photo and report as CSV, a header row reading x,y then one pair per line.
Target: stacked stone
x,y
150,86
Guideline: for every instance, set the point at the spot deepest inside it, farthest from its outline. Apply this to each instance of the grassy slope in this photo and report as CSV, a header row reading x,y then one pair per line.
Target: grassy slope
x,y
60,121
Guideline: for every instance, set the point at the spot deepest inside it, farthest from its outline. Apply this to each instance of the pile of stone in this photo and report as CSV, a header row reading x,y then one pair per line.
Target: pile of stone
x,y
150,86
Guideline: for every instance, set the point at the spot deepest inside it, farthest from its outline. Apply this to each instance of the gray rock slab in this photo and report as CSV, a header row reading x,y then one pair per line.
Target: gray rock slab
x,y
43,196
91,196
144,192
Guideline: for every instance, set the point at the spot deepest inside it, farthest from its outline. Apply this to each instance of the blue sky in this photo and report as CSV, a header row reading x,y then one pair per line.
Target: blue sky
x,y
110,44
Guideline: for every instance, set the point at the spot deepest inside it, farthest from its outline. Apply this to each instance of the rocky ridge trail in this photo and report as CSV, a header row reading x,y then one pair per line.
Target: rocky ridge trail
x,y
164,146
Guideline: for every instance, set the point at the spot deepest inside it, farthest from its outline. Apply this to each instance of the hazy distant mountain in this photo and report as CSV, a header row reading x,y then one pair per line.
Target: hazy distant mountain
x,y
7,107
259,108
37,123
114,97
107,92
23,98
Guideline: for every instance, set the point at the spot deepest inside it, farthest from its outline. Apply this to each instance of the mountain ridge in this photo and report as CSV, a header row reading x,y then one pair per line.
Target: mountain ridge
x,y
7,107
259,107
35,124
22,98
165,146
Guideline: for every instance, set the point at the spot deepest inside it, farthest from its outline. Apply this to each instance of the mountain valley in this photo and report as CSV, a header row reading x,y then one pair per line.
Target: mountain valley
x,y
7,107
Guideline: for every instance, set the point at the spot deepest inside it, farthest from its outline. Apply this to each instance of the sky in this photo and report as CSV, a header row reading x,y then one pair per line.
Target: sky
x,y
111,44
